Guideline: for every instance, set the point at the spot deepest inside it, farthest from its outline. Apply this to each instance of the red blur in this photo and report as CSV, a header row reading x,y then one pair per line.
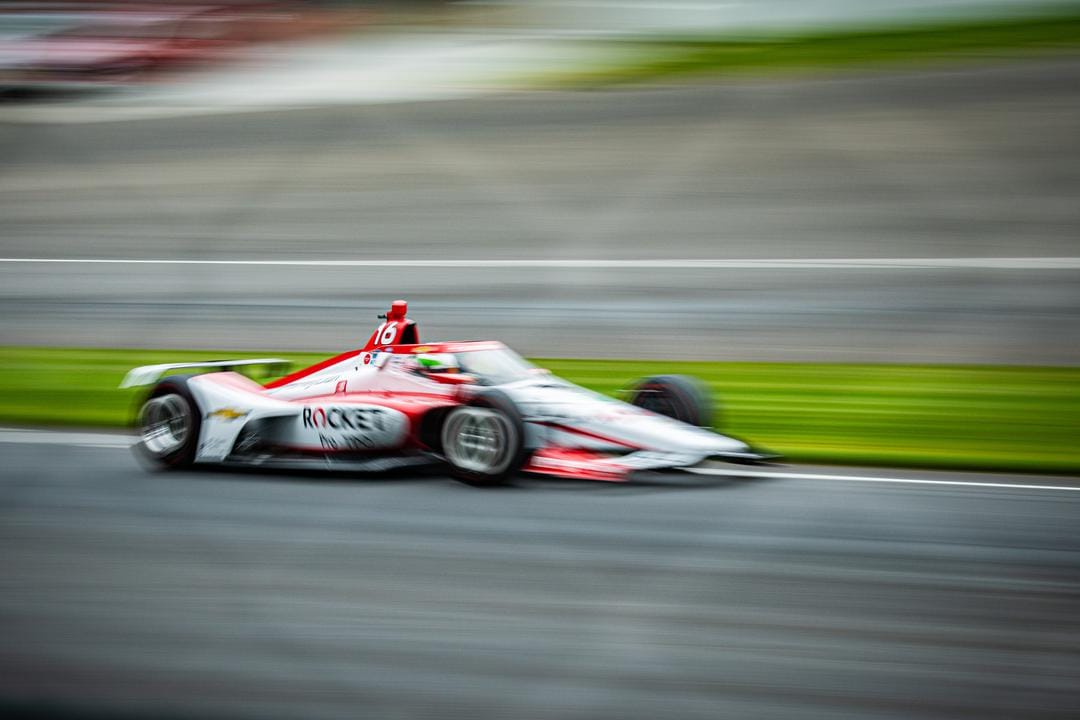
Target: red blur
x,y
87,44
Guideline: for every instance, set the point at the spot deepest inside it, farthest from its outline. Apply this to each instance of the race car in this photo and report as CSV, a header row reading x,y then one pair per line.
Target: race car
x,y
476,407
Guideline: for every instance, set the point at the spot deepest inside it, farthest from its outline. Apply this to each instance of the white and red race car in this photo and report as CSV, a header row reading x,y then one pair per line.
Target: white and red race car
x,y
478,407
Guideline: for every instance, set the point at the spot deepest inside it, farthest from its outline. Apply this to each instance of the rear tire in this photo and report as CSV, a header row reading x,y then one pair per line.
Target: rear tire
x,y
169,423
484,441
679,397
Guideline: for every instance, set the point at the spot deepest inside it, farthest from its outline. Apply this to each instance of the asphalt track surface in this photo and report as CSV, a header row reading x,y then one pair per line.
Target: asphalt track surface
x,y
972,161
221,595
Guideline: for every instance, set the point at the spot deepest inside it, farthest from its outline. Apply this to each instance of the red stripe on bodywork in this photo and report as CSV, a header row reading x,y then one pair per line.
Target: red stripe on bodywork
x,y
588,434
313,369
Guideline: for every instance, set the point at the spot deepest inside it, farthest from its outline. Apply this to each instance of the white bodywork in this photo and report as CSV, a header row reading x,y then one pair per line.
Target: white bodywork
x,y
229,402
558,403
338,409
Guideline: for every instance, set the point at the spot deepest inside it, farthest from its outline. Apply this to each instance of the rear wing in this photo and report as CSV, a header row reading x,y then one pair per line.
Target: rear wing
x,y
148,374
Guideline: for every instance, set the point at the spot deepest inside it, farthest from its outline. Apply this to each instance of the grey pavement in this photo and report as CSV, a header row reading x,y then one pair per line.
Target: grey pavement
x,y
217,594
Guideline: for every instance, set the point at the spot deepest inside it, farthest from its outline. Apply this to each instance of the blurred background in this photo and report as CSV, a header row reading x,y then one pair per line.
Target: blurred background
x,y
564,138
858,221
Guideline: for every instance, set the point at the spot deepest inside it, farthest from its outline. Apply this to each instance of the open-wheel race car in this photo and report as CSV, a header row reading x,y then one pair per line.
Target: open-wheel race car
x,y
476,407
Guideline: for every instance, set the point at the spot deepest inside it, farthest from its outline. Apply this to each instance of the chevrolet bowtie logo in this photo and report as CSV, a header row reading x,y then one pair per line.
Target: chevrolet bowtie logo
x,y
228,414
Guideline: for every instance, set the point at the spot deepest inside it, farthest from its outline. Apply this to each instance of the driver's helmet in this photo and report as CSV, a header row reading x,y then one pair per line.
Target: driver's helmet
x,y
437,363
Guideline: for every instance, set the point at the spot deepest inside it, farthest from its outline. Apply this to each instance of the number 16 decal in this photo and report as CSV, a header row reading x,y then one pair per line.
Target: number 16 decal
x,y
386,333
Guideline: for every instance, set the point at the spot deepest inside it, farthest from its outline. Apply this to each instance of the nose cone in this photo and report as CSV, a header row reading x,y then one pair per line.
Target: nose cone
x,y
663,433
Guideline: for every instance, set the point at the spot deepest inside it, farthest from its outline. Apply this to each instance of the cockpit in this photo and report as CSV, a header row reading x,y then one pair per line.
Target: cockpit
x,y
493,366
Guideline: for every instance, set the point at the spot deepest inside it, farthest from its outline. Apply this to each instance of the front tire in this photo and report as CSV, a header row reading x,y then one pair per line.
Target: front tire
x,y
484,441
676,396
169,423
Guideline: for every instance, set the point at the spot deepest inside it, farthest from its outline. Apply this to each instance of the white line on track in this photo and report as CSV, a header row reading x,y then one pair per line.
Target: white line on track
x,y
872,479
963,263
115,441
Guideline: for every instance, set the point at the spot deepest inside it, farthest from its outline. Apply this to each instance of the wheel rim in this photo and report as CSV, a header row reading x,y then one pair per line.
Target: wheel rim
x,y
166,424
478,440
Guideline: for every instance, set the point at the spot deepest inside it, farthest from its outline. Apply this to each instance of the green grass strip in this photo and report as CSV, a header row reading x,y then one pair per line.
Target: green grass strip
x,y
975,417
637,60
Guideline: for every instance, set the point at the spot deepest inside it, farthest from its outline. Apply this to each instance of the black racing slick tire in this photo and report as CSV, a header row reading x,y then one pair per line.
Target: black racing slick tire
x,y
169,422
676,396
484,440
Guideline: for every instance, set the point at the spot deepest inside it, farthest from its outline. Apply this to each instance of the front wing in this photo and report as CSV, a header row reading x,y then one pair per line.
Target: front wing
x,y
592,465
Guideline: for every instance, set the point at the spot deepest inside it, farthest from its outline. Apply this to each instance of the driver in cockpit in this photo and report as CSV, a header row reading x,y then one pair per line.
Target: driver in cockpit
x,y
436,363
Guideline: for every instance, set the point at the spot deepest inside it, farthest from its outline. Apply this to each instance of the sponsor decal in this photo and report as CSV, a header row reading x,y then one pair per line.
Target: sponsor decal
x,y
228,414
353,427
344,418
423,349
347,442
